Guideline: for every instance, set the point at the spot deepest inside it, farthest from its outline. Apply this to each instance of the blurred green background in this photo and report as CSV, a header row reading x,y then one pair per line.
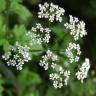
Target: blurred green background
x,y
18,16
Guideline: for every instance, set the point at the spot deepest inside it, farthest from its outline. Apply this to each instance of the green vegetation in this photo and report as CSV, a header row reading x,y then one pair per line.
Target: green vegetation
x,y
16,18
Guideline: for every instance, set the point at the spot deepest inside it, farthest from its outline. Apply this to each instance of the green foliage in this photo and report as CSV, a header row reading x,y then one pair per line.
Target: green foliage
x,y
1,85
19,33
54,92
2,5
19,1
5,44
37,47
34,2
28,81
20,10
15,20
28,78
2,27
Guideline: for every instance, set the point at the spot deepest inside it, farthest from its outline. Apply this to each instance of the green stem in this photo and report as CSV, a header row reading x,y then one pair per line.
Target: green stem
x,y
46,50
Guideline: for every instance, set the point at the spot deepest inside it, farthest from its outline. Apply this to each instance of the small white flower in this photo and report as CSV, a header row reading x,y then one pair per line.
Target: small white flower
x,y
6,56
11,62
44,64
83,71
77,59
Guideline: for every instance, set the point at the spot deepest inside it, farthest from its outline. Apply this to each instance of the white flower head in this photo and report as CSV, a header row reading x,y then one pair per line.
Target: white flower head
x,y
57,80
38,35
66,75
73,52
45,59
19,55
60,80
76,27
51,11
83,71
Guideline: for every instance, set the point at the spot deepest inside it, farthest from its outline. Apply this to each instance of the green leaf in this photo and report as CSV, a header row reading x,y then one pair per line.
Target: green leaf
x,y
2,27
16,1
53,92
58,30
89,87
19,32
2,5
27,78
32,93
22,12
5,44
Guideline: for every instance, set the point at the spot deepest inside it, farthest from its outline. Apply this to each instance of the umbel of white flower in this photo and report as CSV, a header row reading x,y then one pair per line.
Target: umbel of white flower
x,y
38,35
20,54
60,76
51,11
83,71
17,55
76,27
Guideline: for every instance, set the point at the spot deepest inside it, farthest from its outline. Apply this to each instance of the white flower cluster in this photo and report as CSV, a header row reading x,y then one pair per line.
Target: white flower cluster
x,y
17,55
44,62
60,77
66,75
57,80
83,71
76,27
38,34
71,49
51,11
